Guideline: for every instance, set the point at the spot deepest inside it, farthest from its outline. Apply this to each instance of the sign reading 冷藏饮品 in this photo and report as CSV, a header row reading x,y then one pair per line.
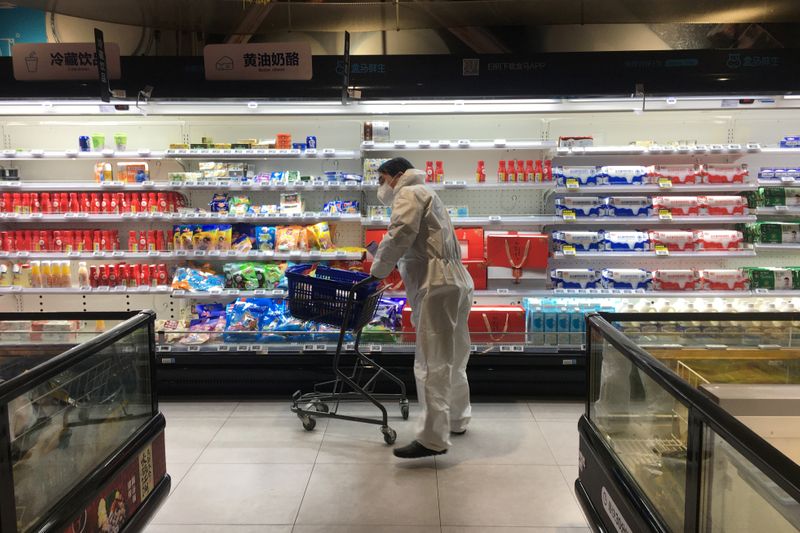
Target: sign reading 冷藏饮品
x,y
62,61
258,61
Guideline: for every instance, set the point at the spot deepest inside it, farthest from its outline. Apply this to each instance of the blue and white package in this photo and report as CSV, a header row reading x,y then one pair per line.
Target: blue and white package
x,y
627,278
581,175
582,241
535,325
574,278
550,313
625,241
582,206
629,206
790,141
624,175
563,319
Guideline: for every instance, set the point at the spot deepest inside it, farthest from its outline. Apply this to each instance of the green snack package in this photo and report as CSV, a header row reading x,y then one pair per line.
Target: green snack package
x,y
778,233
774,278
777,196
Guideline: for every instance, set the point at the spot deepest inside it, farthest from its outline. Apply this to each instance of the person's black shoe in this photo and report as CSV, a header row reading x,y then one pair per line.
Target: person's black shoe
x,y
459,433
415,450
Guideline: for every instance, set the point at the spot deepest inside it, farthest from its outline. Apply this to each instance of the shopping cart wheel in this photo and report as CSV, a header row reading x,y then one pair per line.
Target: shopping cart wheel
x,y
389,435
404,409
321,407
308,423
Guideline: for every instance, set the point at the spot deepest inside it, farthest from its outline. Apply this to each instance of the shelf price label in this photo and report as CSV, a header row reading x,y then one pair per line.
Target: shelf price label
x,y
761,291
514,348
377,218
569,215
502,291
374,348
568,249
314,347
243,348
572,184
495,218
664,183
455,184
661,250
192,348
259,348
664,214
223,348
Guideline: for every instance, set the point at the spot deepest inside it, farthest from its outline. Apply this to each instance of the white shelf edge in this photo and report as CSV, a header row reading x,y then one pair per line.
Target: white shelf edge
x,y
654,255
651,188
454,146
189,255
653,221
172,186
173,217
23,155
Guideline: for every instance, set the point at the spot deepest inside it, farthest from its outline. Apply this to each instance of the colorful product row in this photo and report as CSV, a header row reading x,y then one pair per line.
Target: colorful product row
x,y
518,171
645,206
92,240
244,237
569,176
123,275
642,241
658,280
95,203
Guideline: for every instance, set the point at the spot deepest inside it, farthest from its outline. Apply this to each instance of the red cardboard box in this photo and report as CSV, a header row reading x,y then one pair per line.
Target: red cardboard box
x,y
477,269
487,324
518,250
471,241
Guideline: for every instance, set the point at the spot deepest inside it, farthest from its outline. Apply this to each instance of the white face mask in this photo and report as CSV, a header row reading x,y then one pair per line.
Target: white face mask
x,y
385,194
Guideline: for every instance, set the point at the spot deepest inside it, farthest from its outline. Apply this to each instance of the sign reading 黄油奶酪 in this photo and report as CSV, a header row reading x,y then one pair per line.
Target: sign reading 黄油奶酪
x,y
62,61
258,61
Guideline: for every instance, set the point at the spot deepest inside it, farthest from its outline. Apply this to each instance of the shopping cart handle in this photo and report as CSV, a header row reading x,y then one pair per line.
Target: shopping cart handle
x,y
365,281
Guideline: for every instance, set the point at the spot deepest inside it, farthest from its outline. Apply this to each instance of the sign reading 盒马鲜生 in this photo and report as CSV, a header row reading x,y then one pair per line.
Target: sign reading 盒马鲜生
x,y
258,61
62,61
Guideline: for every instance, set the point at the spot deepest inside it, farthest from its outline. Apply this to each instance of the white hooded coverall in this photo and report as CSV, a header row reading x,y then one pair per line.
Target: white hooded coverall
x,y
422,243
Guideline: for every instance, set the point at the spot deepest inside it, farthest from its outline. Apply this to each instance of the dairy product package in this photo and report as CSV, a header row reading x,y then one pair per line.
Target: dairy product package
x,y
733,279
725,173
676,174
582,175
677,205
775,232
719,239
625,241
575,278
626,278
582,206
673,240
628,206
624,175
724,205
582,241
779,174
676,280
774,278
773,196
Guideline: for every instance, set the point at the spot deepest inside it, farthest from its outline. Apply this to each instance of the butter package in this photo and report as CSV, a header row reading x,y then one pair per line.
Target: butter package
x,y
673,240
676,280
581,241
779,174
733,279
724,205
720,174
788,196
574,278
624,175
581,175
774,278
676,174
625,241
777,233
720,239
582,206
626,278
628,206
677,205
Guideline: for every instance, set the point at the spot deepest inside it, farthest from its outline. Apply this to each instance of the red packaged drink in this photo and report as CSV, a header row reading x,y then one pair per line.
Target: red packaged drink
x,y
69,241
122,274
160,242
63,199
151,241
4,244
86,202
480,172
27,239
46,203
42,243
74,203
502,175
113,275
539,171
153,270
95,207
121,203
36,205
439,172
58,243
521,176
162,202
94,276
170,202
115,241
96,240
548,170
106,240
144,276
136,275
133,241
142,241
26,203
103,271
530,173
152,202
84,241
162,274
5,202
430,175
512,172
105,202
16,203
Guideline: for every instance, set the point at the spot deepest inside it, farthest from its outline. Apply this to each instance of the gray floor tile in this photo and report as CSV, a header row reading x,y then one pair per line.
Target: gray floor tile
x,y
499,441
507,495
570,474
264,440
349,442
501,410
562,437
571,411
366,529
482,529
196,409
185,438
237,494
268,408
176,472
370,495
163,528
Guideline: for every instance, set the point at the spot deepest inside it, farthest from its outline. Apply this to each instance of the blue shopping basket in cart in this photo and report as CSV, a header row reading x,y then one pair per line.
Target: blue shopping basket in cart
x,y
346,300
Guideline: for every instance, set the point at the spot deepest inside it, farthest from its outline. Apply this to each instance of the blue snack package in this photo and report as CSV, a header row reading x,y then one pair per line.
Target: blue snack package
x,y
219,203
265,238
210,310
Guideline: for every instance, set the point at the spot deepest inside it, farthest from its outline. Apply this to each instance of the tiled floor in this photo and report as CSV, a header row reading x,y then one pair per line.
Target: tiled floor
x,y
250,467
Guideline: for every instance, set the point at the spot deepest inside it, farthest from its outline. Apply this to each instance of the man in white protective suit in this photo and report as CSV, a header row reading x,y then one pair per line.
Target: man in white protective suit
x,y
423,245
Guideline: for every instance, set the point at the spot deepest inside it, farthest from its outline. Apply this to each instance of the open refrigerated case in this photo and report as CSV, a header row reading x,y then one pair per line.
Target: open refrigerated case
x,y
562,207
691,422
81,437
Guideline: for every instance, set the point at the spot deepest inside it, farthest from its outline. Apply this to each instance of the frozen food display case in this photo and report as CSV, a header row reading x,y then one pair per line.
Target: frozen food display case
x,y
691,422
81,437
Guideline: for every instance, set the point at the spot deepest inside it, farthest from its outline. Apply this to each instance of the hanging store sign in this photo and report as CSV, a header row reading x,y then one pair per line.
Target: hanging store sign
x,y
258,61
62,61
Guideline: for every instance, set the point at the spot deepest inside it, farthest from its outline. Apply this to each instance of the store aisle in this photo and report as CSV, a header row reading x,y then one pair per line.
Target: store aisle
x,y
248,467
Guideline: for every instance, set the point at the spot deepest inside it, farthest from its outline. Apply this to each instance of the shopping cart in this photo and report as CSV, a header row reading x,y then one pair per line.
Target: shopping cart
x,y
348,300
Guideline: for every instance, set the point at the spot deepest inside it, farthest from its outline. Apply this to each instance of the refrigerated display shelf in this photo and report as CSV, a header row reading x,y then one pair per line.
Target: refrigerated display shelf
x,y
229,294
654,221
326,153
226,185
489,220
651,254
777,247
783,182
459,144
373,348
144,289
485,186
699,149
190,254
655,188
310,217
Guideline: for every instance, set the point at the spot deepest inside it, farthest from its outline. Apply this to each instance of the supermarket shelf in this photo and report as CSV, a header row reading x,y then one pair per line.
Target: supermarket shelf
x,y
653,221
486,186
776,247
180,255
312,217
229,294
778,210
144,289
226,185
493,220
651,254
700,149
783,182
779,150
330,348
653,188
181,154
460,144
